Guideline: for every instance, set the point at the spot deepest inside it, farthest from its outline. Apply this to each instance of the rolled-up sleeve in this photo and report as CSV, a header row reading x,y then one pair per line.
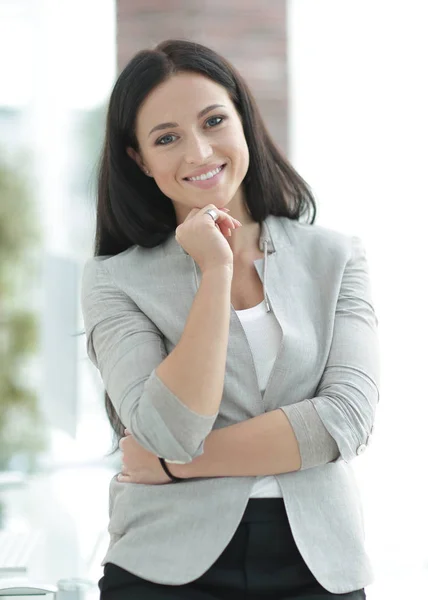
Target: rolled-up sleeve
x,y
337,423
126,347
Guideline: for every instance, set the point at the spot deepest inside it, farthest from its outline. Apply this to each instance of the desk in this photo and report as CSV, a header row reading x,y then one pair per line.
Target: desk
x,y
74,524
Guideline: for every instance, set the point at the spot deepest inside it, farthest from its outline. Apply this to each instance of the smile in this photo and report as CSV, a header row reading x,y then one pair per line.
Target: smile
x,y
206,175
207,180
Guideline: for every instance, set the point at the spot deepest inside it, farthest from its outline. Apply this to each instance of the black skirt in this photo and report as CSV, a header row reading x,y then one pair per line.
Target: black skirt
x,y
260,562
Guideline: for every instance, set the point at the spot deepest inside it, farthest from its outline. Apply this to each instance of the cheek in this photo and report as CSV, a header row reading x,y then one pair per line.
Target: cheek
x,y
238,142
242,156
165,173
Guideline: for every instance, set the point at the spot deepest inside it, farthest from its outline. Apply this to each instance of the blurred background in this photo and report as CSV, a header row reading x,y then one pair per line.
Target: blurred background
x,y
343,89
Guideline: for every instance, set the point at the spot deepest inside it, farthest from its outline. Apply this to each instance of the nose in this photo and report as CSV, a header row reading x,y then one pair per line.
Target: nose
x,y
198,149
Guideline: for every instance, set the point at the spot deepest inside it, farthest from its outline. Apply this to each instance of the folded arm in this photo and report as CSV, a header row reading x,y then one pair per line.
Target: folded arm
x,y
263,445
127,347
334,425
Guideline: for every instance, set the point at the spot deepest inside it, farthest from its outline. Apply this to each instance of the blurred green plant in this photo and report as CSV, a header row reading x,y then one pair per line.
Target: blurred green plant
x,y
93,131
22,428
90,137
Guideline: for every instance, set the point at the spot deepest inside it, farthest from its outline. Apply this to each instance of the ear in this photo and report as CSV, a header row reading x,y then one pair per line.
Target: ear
x,y
137,158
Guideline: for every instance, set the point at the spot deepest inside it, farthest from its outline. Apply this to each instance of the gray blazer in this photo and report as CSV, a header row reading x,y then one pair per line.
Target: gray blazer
x,y
325,379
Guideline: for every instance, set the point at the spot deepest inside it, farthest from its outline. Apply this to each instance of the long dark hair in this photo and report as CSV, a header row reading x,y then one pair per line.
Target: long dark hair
x,y
131,209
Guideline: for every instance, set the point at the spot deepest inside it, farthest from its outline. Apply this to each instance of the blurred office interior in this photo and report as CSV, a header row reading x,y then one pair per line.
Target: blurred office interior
x,y
342,87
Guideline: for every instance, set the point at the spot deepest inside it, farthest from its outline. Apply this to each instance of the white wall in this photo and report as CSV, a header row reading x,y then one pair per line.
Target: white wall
x,y
359,130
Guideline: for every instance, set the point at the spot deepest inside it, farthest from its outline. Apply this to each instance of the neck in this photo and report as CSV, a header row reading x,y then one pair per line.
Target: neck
x,y
244,241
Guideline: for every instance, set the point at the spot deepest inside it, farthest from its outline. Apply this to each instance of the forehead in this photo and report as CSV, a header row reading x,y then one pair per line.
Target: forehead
x,y
179,99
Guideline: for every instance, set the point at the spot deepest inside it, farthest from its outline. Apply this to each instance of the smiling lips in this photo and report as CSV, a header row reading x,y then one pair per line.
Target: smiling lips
x,y
204,172
206,179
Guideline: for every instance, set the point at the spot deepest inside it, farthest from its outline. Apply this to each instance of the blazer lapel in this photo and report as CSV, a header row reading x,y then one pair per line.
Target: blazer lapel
x,y
290,287
286,273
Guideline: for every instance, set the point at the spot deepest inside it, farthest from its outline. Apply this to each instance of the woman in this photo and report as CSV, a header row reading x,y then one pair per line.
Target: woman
x,y
237,345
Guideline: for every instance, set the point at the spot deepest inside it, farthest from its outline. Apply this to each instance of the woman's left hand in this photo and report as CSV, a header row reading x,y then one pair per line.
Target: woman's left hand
x,y
139,465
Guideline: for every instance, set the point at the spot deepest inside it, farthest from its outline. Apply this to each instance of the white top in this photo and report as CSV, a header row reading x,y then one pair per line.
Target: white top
x,y
264,336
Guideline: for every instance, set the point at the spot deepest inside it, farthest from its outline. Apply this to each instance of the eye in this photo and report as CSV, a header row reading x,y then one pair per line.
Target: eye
x,y
160,141
221,119
163,141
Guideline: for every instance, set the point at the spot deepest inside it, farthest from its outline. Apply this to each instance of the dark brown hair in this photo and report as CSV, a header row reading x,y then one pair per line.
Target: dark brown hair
x,y
131,209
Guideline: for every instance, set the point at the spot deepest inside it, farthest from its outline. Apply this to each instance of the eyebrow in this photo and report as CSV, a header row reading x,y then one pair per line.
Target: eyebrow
x,y
200,114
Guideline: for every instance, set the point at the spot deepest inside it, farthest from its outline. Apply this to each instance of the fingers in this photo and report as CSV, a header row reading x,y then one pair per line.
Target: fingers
x,y
228,225
225,223
122,442
224,217
226,228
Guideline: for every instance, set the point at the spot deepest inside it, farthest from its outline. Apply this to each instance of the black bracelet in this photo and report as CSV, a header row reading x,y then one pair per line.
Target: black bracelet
x,y
168,472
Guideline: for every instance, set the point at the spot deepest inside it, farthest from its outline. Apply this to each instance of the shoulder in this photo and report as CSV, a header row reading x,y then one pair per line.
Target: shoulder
x,y
318,239
108,282
104,270
323,251
317,235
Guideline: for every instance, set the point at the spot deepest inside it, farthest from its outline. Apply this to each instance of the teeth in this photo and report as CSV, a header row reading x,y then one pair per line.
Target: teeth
x,y
205,175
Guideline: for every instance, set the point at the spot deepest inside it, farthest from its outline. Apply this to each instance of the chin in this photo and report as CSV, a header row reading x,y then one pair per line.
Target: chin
x,y
223,196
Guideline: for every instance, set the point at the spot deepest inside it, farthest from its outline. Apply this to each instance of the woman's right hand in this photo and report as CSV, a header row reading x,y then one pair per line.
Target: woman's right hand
x,y
204,239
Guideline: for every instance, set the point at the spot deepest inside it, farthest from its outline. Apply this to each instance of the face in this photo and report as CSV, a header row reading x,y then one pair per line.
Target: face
x,y
186,127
